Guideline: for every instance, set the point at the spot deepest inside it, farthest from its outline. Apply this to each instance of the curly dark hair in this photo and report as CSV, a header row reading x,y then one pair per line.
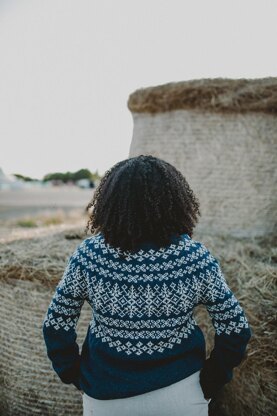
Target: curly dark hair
x,y
142,199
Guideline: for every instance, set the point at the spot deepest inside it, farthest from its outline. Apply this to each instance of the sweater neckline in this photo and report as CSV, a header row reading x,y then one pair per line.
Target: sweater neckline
x,y
175,240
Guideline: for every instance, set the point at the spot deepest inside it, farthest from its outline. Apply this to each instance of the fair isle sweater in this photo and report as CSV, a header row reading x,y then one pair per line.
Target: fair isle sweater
x,y
143,335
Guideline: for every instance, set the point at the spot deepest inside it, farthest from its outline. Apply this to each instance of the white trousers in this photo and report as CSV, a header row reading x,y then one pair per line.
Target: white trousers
x,y
182,398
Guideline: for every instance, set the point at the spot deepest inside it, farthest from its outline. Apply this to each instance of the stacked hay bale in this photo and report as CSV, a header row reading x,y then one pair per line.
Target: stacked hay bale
x,y
222,135
30,271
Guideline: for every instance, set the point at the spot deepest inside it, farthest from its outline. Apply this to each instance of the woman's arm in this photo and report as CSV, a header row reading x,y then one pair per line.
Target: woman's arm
x,y
232,330
61,319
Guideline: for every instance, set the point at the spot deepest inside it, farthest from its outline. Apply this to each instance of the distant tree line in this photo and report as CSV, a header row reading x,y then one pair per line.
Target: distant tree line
x,y
72,176
24,178
64,176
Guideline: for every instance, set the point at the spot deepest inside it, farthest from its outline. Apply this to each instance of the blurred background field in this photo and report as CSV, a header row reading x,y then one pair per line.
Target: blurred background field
x,y
32,212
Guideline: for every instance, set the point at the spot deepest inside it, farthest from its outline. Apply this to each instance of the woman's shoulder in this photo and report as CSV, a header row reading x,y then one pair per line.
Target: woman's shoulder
x,y
89,243
202,250
194,244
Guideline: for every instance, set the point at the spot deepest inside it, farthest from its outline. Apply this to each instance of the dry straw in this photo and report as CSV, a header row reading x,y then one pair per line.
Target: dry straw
x,y
30,270
250,269
217,95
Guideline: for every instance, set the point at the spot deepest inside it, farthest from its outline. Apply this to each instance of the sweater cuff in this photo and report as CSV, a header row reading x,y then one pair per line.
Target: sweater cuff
x,y
213,378
71,375
76,383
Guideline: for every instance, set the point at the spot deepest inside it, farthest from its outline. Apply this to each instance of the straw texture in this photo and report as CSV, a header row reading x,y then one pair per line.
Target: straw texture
x,y
29,385
30,270
250,268
217,95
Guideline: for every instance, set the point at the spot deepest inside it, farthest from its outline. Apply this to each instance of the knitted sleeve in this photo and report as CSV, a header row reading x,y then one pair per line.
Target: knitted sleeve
x,y
61,319
232,330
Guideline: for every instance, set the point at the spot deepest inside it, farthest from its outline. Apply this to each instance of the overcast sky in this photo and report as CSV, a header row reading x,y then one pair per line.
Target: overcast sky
x,y
67,68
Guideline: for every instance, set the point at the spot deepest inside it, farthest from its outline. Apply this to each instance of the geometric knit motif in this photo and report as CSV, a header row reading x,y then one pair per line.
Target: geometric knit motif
x,y
144,303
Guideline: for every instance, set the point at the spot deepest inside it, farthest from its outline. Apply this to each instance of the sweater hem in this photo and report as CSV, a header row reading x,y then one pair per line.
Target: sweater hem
x,y
166,383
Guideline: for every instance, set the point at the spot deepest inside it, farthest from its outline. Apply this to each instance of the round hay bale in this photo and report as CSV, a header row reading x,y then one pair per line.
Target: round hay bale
x,y
29,385
222,135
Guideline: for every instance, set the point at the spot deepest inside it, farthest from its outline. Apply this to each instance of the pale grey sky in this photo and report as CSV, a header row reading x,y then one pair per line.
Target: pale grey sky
x,y
67,68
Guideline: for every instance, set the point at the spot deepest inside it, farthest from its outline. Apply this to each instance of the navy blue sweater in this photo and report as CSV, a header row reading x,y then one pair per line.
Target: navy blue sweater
x,y
142,335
